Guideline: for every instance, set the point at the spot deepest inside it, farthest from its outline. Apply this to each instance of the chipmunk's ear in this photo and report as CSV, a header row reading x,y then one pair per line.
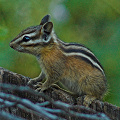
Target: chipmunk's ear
x,y
45,19
47,28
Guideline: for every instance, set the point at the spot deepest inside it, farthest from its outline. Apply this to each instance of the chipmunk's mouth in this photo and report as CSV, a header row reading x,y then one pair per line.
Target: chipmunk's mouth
x,y
13,45
16,47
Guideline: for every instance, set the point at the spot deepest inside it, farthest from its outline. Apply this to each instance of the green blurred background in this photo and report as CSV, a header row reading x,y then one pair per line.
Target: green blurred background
x,y
94,23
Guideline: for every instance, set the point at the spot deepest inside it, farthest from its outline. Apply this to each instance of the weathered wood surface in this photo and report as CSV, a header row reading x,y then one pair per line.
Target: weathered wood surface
x,y
112,112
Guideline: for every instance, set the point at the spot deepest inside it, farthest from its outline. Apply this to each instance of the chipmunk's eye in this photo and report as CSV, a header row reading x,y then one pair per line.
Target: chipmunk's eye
x,y
26,38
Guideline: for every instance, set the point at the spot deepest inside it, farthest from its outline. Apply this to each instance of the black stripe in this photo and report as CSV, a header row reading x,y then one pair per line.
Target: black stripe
x,y
34,45
27,31
31,29
43,44
74,44
71,50
31,38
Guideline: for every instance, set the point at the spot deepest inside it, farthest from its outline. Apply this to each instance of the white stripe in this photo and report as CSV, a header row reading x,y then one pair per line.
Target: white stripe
x,y
17,40
54,36
77,47
30,34
85,56
81,54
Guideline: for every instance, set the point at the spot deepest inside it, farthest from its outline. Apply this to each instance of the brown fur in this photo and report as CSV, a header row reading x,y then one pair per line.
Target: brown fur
x,y
77,74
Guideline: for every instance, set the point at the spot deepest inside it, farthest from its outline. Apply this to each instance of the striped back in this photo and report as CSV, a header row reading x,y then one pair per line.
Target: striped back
x,y
78,50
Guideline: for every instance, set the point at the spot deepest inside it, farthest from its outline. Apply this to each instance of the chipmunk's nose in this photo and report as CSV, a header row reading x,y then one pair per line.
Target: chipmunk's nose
x,y
11,45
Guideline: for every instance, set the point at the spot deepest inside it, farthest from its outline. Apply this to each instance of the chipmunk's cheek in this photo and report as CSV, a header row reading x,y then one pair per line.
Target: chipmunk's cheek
x,y
20,49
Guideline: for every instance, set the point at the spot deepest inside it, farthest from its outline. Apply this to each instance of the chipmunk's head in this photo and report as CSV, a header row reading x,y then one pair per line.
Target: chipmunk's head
x,y
33,39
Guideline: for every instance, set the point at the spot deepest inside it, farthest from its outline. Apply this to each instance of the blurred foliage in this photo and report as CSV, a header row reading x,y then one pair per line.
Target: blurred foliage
x,y
96,24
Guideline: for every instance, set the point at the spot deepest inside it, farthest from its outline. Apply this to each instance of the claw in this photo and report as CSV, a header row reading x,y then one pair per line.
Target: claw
x,y
38,90
38,85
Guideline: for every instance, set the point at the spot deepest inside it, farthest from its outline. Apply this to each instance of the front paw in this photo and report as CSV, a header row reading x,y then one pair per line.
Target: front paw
x,y
40,87
37,86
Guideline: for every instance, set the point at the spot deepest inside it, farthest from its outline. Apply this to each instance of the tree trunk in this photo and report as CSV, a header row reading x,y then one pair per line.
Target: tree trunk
x,y
18,101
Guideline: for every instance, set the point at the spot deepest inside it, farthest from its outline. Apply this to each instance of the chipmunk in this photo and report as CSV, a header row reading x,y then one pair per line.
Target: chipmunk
x,y
74,65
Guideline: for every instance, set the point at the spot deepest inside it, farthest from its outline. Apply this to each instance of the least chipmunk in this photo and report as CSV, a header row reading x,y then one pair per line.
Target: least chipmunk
x,y
74,65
